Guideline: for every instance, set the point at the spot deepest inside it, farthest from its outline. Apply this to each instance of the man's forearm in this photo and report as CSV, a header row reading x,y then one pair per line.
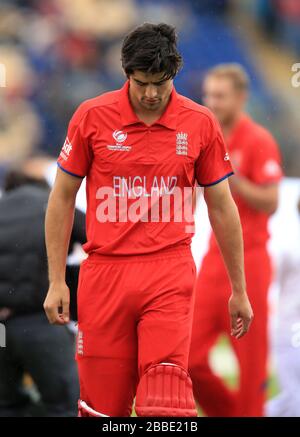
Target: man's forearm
x,y
226,225
260,197
58,227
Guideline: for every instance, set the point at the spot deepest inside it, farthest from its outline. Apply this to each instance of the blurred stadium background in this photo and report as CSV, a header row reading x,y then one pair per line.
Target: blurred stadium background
x,y
57,53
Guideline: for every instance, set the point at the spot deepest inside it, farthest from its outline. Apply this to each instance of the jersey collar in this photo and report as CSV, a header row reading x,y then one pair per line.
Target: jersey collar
x,y
128,116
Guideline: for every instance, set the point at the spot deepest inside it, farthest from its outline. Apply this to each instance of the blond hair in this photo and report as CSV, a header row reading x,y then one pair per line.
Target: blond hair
x,y
233,71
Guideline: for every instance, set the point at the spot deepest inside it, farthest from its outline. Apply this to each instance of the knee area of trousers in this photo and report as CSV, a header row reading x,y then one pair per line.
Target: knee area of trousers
x,y
165,390
198,367
85,411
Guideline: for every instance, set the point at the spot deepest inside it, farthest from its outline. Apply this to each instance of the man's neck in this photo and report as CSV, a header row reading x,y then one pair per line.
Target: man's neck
x,y
228,127
146,116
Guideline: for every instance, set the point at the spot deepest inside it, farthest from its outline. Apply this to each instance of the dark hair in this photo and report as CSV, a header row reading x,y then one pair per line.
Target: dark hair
x,y
151,48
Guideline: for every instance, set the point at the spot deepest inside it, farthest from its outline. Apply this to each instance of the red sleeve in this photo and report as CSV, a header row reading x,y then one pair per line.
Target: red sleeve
x,y
213,164
266,160
76,154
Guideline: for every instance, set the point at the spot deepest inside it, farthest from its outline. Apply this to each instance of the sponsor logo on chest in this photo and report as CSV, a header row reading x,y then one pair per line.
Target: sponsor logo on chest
x,y
120,137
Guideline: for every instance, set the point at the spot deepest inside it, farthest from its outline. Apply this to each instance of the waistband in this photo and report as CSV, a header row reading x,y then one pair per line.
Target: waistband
x,y
175,252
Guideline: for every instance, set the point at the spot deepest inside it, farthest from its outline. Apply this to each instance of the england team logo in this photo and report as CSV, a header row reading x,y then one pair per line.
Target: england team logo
x,y
181,143
80,342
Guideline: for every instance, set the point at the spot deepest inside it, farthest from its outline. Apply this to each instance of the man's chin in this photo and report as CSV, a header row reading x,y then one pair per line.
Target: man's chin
x,y
223,119
151,106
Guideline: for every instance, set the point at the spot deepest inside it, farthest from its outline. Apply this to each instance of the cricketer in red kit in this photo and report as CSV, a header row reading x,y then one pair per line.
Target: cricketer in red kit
x,y
137,147
256,160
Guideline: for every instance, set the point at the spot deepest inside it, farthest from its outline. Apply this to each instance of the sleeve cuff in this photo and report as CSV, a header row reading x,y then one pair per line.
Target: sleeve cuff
x,y
69,172
217,181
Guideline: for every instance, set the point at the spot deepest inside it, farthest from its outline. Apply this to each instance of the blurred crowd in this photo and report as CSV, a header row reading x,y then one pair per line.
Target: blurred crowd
x,y
281,19
55,56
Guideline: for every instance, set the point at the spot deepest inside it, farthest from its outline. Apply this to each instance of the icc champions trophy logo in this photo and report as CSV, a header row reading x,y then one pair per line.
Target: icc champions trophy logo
x,y
119,136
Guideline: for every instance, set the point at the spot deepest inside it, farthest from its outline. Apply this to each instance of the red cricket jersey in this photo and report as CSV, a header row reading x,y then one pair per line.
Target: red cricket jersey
x,y
255,155
132,168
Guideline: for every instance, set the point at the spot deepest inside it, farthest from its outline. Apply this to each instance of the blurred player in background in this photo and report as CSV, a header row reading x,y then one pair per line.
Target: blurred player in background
x,y
287,331
256,162
135,295
32,345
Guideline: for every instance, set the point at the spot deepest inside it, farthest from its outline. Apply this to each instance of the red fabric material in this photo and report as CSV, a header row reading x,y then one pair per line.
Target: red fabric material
x,y
211,319
108,144
254,155
131,315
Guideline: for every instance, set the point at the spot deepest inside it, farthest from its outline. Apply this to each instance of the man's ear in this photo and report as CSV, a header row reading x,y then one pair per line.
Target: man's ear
x,y
244,98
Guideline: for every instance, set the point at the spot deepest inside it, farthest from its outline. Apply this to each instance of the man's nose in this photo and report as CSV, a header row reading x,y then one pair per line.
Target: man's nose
x,y
151,92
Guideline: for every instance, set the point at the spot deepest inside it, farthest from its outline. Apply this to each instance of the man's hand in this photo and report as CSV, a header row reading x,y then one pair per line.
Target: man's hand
x,y
241,314
57,303
5,313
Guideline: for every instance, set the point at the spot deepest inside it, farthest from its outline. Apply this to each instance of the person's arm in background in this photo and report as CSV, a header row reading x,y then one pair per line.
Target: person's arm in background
x,y
58,228
260,188
260,197
225,222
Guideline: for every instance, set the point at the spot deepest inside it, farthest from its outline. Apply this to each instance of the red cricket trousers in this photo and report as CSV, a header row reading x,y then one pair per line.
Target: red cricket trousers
x,y
133,312
211,318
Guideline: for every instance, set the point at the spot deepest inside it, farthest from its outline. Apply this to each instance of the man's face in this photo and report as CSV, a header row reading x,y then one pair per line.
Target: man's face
x,y
222,98
149,91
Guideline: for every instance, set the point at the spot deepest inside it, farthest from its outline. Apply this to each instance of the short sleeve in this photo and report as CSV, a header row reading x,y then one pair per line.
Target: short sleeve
x,y
213,164
76,154
266,160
